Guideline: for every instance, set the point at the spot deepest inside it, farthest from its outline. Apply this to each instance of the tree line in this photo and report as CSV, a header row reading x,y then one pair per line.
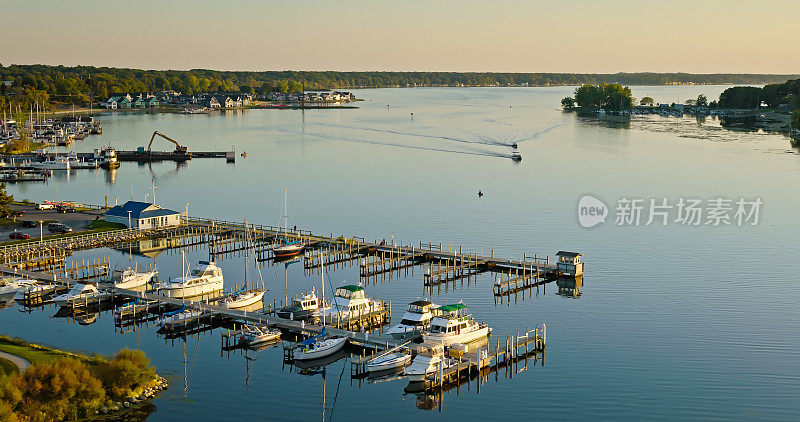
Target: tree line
x,y
82,84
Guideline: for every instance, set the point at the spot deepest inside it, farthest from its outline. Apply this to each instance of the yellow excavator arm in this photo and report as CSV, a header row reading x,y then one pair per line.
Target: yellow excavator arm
x,y
178,147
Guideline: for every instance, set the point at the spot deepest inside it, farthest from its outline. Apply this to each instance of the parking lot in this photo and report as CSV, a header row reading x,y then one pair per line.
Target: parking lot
x,y
75,220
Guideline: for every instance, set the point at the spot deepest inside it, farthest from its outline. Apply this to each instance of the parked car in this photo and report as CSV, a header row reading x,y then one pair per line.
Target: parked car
x,y
44,206
63,209
19,235
58,228
28,223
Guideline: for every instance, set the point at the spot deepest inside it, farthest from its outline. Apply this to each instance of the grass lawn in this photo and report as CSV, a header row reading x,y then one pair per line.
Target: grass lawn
x,y
33,353
7,368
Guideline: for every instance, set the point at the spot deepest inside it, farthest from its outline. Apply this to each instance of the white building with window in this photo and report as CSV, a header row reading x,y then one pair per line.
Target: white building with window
x,y
142,215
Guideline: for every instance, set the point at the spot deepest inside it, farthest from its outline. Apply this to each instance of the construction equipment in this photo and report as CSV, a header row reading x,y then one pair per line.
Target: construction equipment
x,y
179,149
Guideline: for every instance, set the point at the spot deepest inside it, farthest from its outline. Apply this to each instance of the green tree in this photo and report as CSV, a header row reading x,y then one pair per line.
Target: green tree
x,y
702,101
796,119
568,102
647,101
589,96
127,371
740,97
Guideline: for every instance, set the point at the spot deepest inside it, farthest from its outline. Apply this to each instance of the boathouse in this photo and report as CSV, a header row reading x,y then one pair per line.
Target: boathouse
x,y
142,215
569,263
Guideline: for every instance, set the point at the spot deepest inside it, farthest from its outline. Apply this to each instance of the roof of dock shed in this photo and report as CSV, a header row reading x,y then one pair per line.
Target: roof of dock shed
x,y
569,254
139,210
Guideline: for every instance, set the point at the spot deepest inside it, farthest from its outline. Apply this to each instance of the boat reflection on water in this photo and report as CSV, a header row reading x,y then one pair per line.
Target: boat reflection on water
x,y
317,366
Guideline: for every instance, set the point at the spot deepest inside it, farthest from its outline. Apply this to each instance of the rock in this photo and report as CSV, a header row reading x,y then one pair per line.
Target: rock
x,y
127,404
105,410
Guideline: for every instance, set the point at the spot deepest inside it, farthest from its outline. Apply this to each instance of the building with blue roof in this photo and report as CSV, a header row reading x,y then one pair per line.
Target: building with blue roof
x,y
142,215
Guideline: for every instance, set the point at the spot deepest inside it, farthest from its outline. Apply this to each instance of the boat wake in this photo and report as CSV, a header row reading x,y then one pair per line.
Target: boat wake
x,y
481,140
484,153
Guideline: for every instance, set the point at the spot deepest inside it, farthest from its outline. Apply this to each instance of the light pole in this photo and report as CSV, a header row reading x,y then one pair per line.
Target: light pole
x,y
187,213
129,219
116,200
41,232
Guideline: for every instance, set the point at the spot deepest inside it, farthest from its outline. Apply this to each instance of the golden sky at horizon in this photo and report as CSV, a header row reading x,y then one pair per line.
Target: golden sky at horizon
x,y
580,36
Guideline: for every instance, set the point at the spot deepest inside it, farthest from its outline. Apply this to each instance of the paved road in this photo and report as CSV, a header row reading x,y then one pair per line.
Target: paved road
x,y
21,363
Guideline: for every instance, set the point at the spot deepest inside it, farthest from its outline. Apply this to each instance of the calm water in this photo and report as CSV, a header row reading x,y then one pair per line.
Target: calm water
x,y
675,321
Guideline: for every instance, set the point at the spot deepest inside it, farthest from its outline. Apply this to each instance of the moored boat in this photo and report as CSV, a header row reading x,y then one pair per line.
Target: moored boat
x,y
350,301
303,307
426,363
242,299
80,293
255,336
389,361
9,286
129,278
319,346
416,318
454,324
205,279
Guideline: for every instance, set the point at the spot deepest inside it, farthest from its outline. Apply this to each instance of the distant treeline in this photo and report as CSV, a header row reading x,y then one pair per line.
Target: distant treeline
x,y
773,95
82,83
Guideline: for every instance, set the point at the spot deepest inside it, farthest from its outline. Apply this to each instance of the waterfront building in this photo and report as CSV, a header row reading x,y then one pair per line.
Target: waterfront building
x,y
142,215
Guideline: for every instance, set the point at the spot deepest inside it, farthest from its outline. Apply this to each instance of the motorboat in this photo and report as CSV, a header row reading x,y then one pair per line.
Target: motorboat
x,y
129,278
57,163
242,299
255,336
319,346
107,157
303,307
80,292
349,301
33,289
204,279
454,324
428,362
9,286
516,156
389,361
416,318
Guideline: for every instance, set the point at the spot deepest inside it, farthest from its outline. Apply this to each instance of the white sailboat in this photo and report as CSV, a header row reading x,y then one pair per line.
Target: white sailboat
x,y
243,297
321,345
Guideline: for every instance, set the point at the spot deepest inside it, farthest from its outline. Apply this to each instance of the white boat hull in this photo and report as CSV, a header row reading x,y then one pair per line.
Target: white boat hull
x,y
327,347
390,361
450,339
138,280
180,292
246,300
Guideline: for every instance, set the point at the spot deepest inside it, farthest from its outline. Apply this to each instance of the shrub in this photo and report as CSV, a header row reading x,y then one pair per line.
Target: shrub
x,y
128,371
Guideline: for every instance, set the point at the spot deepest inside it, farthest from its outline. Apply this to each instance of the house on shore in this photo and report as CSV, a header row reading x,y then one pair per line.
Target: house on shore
x,y
142,215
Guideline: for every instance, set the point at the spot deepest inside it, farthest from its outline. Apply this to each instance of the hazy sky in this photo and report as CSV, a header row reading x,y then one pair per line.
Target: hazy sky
x,y
703,36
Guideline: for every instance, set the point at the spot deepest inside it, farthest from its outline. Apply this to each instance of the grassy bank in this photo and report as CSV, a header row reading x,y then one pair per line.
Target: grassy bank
x,y
7,368
61,385
96,226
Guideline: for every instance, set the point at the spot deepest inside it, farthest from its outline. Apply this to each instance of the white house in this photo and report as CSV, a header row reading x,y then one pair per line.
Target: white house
x,y
142,215
110,103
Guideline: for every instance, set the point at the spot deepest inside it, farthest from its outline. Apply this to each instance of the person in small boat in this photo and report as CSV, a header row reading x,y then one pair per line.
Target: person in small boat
x,y
480,194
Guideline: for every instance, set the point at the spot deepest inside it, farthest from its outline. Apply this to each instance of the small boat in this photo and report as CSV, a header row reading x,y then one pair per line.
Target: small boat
x,y
180,318
319,346
303,308
389,361
516,156
288,249
10,286
349,301
107,157
415,319
129,278
79,293
426,363
454,324
206,278
244,154
33,289
242,299
255,336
